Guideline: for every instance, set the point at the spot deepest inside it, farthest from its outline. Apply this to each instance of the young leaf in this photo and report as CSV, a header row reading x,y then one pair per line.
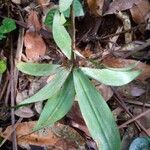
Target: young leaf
x,y
7,26
64,5
57,106
36,69
50,89
61,36
111,77
78,9
49,17
96,113
2,66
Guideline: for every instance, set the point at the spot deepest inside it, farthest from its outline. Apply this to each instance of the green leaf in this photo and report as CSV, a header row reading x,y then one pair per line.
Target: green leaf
x,y
111,77
96,113
50,89
3,66
61,36
78,9
36,69
57,106
49,17
140,143
64,5
7,26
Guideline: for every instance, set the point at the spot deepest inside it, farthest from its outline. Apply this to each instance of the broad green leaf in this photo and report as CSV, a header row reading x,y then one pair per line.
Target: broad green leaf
x,y
61,36
3,66
140,143
57,106
36,69
128,68
96,113
49,17
50,89
64,5
111,77
7,26
78,9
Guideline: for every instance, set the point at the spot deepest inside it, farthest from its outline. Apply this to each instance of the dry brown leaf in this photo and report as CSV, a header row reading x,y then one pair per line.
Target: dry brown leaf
x,y
106,91
120,63
120,5
98,7
33,21
16,1
58,135
140,11
25,112
35,45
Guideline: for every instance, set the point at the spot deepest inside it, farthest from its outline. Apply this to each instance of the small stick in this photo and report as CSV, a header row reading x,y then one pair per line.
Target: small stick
x,y
135,118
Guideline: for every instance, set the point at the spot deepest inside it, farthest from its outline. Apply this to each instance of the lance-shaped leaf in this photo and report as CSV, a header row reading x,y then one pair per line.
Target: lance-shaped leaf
x,y
49,89
78,9
61,36
96,113
64,5
111,77
36,69
57,106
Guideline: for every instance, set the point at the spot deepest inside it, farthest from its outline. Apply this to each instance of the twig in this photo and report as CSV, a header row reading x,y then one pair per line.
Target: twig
x,y
12,90
73,31
135,118
122,104
137,103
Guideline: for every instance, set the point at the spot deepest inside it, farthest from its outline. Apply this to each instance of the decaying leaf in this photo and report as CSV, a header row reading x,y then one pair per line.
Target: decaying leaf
x,y
35,45
140,11
25,112
121,63
98,7
58,135
120,5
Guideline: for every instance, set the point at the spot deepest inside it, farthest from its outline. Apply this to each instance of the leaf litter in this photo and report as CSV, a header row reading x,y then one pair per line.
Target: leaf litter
x,y
100,21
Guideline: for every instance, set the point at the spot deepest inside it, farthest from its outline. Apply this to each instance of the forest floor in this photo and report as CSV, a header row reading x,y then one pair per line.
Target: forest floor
x,y
115,34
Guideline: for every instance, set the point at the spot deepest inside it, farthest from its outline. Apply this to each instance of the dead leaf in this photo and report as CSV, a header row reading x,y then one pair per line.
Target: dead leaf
x,y
106,91
25,112
120,5
120,63
35,45
140,11
98,7
33,21
59,135
77,119
16,1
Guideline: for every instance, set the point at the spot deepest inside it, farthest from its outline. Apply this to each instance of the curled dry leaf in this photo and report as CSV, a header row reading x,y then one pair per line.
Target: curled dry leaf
x,y
120,5
25,112
140,11
35,45
120,63
58,135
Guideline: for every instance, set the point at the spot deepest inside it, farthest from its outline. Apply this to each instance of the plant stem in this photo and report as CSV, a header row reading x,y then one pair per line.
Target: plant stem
x,y
73,32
